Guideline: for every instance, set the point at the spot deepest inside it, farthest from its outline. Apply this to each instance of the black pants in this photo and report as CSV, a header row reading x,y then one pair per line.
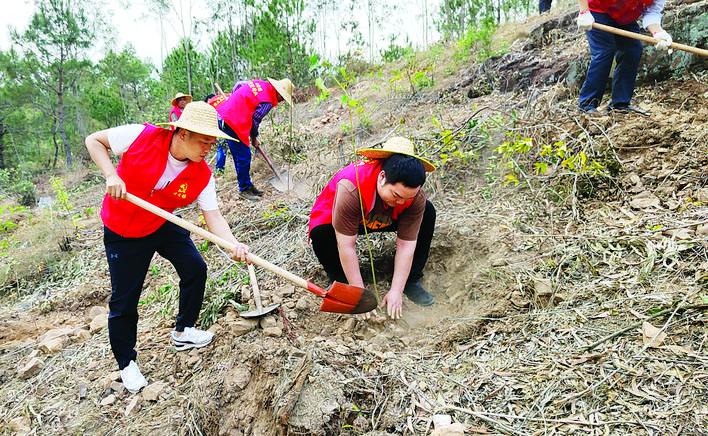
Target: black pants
x,y
544,6
128,262
324,243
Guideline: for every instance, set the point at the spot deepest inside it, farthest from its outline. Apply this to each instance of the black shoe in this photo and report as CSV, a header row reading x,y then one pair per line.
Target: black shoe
x,y
251,194
415,292
626,109
252,190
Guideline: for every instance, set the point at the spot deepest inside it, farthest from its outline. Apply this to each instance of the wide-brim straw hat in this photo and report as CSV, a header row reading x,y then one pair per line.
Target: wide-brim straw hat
x,y
393,146
180,95
199,117
285,88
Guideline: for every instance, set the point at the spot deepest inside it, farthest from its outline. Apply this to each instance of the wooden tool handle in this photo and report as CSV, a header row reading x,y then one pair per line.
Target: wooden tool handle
x,y
223,243
254,285
650,40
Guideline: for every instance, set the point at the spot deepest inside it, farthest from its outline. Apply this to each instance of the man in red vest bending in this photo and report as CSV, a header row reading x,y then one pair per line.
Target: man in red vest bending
x,y
607,47
167,169
241,116
386,190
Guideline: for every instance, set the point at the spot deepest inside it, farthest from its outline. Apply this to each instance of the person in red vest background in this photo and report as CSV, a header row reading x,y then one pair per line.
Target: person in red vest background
x,y
607,47
167,169
178,104
389,185
241,115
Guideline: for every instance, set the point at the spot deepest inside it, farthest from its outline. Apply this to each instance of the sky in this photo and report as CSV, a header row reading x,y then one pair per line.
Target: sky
x,y
133,25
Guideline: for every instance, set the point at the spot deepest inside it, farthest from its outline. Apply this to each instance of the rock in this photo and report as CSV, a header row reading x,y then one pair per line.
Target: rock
x,y
31,369
20,425
326,331
152,391
349,325
98,323
268,321
81,335
242,326
231,316
645,200
95,311
702,230
440,420
275,331
238,378
245,294
133,405
110,399
53,345
455,429
680,234
117,387
286,291
302,304
83,391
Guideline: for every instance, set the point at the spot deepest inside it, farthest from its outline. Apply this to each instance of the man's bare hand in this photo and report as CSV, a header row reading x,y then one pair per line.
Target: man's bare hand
x,y
394,304
115,187
240,253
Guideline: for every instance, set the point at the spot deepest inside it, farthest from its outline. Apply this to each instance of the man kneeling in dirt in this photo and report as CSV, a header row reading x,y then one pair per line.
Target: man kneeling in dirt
x,y
389,185
167,169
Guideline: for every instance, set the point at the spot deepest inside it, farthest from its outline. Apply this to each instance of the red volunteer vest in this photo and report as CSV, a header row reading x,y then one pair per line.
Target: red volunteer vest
x,y
218,99
141,167
622,11
368,171
238,110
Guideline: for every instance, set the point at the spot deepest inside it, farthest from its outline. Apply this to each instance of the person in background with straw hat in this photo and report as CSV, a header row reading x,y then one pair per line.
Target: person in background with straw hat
x,y
386,189
178,104
241,115
166,168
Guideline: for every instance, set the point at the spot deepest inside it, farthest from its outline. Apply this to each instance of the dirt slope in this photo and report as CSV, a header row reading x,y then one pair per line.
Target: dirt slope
x,y
527,278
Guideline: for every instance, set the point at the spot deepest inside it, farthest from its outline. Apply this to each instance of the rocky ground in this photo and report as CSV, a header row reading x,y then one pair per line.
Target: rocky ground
x,y
570,300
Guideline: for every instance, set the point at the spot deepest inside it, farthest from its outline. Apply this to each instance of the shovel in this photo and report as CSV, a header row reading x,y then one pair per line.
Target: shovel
x,y
650,40
260,310
338,298
283,182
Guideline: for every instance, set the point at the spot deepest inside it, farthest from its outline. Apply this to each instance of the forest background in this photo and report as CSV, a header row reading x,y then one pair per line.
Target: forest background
x,y
53,92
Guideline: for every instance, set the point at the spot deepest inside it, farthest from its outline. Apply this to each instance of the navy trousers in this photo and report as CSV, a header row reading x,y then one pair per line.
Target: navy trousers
x,y
604,48
241,154
324,244
128,263
544,6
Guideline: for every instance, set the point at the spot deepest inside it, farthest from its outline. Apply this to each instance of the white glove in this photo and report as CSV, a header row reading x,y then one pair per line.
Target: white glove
x,y
664,39
585,20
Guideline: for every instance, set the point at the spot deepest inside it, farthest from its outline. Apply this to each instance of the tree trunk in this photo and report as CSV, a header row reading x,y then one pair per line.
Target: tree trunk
x,y
3,130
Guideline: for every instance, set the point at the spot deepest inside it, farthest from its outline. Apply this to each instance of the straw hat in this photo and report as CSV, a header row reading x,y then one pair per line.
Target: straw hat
x,y
199,117
285,88
395,145
180,95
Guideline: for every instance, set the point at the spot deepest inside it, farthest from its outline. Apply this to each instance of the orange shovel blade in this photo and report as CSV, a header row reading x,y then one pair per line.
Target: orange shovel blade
x,y
344,298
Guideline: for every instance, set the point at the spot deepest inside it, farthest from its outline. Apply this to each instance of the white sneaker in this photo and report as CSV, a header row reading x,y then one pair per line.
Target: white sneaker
x,y
192,338
133,379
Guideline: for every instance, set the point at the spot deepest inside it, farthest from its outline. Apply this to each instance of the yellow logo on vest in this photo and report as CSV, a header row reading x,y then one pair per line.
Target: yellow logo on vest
x,y
181,192
255,87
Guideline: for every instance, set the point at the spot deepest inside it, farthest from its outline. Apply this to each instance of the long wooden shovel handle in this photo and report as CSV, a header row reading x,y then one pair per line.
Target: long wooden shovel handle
x,y
223,243
649,39
270,164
